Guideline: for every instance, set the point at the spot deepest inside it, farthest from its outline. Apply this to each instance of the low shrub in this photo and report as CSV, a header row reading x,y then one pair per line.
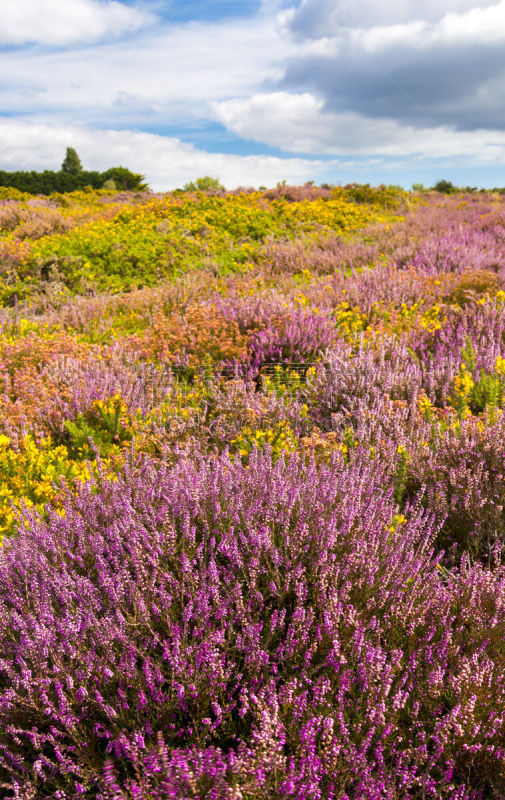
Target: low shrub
x,y
281,627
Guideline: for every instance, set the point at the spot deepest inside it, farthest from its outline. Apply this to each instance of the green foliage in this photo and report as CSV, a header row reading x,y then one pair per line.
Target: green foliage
x,y
383,196
124,179
468,354
445,187
71,162
486,394
105,427
205,184
401,476
49,182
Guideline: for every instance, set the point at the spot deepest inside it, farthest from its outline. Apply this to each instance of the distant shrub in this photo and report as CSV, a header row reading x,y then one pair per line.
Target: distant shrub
x,y
445,187
124,179
205,184
297,194
383,196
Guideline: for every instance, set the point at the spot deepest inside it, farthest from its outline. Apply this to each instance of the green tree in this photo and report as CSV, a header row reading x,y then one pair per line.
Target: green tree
x,y
71,162
445,187
205,184
125,179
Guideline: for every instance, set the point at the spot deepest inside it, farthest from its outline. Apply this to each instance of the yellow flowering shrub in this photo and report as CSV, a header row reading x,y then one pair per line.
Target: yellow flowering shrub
x,y
329,215
280,437
349,321
83,243
462,386
107,427
30,477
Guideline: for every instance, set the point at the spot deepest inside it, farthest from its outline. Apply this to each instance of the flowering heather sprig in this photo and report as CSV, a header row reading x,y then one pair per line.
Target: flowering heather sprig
x,y
351,376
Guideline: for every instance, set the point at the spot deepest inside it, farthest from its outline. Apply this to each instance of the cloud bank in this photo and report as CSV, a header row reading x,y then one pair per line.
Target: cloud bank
x,y
299,123
410,63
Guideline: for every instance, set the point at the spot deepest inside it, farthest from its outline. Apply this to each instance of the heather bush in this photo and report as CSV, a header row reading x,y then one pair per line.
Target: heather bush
x,y
460,251
353,376
296,339
199,336
324,256
296,194
464,472
283,628
79,383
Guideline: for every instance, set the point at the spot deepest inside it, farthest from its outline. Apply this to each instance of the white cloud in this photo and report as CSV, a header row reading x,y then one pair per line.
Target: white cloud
x,y
476,26
376,27
290,121
65,22
298,123
169,74
166,161
327,17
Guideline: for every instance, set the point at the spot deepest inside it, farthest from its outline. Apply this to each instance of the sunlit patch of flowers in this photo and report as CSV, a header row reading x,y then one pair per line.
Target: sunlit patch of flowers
x,y
280,438
106,428
117,246
33,476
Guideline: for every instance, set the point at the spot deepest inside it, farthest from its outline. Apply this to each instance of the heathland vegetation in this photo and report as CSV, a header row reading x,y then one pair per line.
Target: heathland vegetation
x,y
252,493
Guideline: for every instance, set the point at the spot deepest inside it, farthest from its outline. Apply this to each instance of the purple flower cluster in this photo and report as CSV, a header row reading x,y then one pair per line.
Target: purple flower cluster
x,y
275,630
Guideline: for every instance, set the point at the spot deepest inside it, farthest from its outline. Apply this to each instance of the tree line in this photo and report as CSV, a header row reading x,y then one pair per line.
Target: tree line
x,y
71,177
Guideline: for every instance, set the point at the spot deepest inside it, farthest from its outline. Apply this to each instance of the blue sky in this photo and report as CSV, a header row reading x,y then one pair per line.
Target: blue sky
x,y
257,91
201,10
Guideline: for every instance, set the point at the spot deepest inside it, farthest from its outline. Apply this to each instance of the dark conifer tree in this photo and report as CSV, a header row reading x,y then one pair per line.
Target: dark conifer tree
x,y
71,162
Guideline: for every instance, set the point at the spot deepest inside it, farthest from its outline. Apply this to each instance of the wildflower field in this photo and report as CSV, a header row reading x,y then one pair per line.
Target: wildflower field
x,y
252,498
